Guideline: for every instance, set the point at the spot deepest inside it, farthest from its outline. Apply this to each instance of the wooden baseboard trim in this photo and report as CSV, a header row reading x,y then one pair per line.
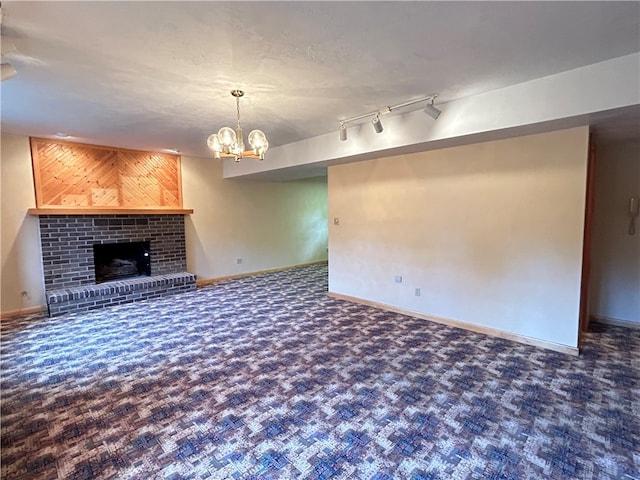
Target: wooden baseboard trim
x,y
534,342
615,321
22,311
211,281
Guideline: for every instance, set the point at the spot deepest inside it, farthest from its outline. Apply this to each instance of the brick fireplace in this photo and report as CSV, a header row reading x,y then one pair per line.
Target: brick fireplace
x,y
68,260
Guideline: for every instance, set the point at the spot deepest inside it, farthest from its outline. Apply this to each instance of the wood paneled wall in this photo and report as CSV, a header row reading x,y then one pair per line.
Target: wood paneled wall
x,y
76,175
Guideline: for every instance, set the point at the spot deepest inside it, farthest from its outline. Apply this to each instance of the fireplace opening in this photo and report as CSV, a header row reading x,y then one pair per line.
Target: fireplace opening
x,y
114,261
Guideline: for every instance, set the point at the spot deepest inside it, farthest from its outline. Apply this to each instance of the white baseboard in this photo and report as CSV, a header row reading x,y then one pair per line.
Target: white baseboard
x,y
614,321
464,325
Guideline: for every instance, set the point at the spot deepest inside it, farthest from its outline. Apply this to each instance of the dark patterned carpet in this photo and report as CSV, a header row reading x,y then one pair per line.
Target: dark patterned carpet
x,y
267,377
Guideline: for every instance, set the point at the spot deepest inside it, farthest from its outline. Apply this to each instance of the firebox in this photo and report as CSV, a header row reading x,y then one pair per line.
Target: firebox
x,y
114,261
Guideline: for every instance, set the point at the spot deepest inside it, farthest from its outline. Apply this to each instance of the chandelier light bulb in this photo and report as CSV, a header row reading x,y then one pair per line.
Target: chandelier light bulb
x,y
213,142
258,142
227,137
237,149
257,137
263,149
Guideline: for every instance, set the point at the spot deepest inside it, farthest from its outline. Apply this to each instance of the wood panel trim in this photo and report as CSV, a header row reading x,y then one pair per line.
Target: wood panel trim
x,y
108,211
493,332
84,176
586,238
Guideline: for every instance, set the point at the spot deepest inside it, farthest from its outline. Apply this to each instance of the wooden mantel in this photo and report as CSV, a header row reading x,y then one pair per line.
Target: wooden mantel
x,y
109,211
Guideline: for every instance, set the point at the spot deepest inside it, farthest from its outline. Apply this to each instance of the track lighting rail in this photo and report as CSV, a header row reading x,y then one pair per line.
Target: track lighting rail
x,y
390,109
430,109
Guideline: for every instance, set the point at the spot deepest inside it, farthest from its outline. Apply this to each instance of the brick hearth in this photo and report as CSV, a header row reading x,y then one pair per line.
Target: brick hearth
x,y
67,259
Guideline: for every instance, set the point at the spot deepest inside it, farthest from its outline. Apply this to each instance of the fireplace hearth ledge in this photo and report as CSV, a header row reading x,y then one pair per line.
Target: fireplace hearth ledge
x,y
92,297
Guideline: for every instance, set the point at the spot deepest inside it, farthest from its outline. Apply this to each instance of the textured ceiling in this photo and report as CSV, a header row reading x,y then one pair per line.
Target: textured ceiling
x,y
157,75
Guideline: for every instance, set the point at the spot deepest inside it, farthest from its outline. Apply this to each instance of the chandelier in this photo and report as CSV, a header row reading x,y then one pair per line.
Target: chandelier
x,y
228,143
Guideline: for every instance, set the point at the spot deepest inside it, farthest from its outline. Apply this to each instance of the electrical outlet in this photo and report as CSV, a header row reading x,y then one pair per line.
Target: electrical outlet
x,y
417,292
398,278
238,261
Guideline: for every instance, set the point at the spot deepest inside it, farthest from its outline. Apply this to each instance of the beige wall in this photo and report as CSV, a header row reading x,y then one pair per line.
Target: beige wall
x,y
491,233
20,237
615,280
266,224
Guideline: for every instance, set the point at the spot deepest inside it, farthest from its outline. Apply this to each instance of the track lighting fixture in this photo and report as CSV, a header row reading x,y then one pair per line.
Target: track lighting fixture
x,y
377,124
343,132
431,110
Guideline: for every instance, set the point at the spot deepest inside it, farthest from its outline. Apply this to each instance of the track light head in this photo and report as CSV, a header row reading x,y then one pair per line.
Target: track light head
x,y
377,124
432,111
343,132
